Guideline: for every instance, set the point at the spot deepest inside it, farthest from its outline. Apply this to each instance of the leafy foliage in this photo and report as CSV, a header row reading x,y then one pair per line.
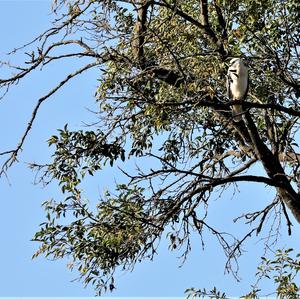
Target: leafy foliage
x,y
161,97
214,293
283,270
117,234
80,152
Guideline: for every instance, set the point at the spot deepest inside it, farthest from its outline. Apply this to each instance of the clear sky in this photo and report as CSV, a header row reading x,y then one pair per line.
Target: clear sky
x,y
21,212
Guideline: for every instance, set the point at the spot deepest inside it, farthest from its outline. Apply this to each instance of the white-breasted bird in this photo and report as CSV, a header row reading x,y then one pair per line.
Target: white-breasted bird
x,y
237,85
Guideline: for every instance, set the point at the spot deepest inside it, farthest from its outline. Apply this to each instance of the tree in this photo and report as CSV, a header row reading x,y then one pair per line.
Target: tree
x,y
162,97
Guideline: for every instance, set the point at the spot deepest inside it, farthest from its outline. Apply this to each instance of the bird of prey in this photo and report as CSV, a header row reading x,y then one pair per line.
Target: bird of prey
x,y
237,85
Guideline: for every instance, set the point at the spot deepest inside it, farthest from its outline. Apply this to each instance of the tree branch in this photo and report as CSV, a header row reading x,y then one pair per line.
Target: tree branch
x,y
204,13
205,29
139,31
14,153
40,59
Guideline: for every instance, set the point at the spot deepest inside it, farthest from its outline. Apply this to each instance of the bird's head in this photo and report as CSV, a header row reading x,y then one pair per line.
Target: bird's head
x,y
237,65
237,61
234,61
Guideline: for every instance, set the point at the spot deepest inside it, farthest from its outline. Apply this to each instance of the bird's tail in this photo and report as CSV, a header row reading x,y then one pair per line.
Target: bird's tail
x,y
237,112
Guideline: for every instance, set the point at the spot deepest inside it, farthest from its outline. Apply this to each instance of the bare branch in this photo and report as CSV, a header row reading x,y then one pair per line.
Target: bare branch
x,y
14,153
288,221
37,61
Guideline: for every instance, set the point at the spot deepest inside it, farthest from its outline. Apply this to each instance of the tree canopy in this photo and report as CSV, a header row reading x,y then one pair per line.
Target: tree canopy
x,y
162,97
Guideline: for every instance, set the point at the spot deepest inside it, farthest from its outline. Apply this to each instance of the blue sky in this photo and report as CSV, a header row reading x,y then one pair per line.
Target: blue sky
x,y
21,212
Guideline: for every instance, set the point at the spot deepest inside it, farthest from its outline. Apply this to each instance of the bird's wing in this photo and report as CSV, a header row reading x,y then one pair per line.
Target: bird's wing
x,y
229,94
246,92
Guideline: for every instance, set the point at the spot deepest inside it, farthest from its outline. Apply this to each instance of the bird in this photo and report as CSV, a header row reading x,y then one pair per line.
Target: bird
x,y
237,85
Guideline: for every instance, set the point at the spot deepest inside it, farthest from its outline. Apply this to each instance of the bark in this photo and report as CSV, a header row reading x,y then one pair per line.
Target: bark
x,y
274,170
139,31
